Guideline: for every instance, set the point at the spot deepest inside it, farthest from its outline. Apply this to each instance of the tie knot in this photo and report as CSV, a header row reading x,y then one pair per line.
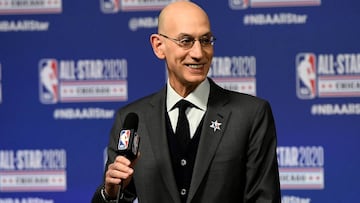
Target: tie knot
x,y
183,105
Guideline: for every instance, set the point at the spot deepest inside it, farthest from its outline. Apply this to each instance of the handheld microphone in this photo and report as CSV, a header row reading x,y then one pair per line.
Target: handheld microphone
x,y
128,145
129,140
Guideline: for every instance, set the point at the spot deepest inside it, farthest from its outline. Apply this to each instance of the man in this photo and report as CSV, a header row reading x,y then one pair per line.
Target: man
x,y
231,153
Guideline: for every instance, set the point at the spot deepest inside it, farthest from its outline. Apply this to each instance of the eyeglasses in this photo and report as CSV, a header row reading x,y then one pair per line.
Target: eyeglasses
x,y
187,42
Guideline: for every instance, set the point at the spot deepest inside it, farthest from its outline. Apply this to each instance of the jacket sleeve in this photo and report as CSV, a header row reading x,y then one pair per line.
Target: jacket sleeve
x,y
262,178
129,197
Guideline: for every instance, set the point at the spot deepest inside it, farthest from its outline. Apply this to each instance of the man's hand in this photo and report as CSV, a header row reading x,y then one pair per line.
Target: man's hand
x,y
119,171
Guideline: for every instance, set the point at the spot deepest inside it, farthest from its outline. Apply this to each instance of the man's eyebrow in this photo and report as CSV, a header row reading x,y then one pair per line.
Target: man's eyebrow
x,y
189,35
184,35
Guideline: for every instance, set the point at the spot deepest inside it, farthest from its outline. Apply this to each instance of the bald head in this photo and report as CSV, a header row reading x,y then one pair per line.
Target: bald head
x,y
183,42
181,15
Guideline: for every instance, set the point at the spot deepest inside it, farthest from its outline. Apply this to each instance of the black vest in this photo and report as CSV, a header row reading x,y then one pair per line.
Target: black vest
x,y
182,159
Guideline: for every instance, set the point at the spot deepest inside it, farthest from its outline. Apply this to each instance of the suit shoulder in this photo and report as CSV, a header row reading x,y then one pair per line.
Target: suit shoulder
x,y
141,103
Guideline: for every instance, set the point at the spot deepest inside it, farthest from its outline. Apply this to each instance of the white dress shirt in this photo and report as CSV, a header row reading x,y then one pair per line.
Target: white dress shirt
x,y
199,97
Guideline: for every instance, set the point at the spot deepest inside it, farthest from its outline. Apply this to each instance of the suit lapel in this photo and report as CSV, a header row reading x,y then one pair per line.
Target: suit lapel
x,y
156,126
210,136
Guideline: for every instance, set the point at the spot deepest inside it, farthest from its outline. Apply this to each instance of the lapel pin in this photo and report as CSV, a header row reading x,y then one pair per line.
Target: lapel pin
x,y
215,125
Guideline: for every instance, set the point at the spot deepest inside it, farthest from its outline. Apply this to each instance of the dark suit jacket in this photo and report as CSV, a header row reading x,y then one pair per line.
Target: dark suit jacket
x,y
237,163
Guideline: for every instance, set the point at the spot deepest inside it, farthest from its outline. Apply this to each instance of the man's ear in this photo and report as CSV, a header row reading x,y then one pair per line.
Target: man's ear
x,y
157,46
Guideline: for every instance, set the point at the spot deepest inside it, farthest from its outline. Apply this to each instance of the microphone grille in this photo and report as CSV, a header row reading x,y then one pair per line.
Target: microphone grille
x,y
131,121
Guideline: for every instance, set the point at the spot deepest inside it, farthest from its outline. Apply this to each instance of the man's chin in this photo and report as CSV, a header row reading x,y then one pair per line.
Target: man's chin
x,y
195,80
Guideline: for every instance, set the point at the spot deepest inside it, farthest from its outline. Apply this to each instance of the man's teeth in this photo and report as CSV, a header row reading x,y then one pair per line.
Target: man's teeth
x,y
195,66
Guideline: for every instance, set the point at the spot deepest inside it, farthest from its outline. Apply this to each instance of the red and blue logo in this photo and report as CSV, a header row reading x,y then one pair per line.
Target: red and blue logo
x,y
239,4
306,75
124,139
110,6
48,83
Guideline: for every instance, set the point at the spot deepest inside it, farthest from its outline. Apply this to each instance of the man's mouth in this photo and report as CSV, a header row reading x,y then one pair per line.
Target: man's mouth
x,y
195,66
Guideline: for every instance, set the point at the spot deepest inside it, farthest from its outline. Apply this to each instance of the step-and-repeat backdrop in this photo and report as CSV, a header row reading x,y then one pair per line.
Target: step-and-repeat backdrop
x,y
67,66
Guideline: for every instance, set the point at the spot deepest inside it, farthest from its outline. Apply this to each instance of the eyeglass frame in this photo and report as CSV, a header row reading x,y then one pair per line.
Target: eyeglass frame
x,y
179,43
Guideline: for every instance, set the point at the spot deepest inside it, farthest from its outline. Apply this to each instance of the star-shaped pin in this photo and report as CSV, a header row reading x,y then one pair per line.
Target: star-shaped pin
x,y
215,125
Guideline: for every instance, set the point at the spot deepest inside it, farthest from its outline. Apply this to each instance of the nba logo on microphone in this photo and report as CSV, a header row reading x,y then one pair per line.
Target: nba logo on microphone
x,y
306,75
48,81
110,6
124,139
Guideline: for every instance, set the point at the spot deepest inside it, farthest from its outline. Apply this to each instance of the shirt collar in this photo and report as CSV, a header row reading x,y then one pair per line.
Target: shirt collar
x,y
198,97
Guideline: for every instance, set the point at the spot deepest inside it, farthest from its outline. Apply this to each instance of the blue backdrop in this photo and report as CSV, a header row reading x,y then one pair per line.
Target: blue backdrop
x,y
66,66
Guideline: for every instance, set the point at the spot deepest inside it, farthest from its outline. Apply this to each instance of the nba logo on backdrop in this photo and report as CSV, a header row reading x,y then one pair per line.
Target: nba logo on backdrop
x,y
239,4
306,75
49,84
110,6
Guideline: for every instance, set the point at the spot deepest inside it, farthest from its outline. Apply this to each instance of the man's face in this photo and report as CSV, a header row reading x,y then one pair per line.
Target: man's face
x,y
187,66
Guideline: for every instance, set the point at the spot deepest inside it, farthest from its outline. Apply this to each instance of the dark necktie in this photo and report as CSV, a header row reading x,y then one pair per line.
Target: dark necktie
x,y
182,128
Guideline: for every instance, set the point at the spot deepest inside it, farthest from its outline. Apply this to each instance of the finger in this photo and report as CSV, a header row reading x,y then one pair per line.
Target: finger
x,y
119,166
123,160
115,177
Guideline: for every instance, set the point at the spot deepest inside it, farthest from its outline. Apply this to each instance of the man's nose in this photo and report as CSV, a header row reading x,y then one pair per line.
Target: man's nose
x,y
196,50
